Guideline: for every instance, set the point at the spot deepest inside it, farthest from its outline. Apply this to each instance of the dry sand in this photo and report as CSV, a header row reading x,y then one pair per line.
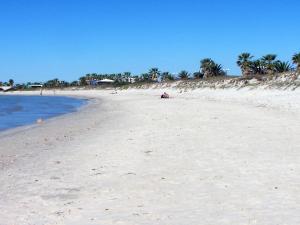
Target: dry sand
x,y
207,157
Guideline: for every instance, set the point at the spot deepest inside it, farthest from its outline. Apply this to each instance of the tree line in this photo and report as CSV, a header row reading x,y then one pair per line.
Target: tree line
x,y
208,68
10,82
266,65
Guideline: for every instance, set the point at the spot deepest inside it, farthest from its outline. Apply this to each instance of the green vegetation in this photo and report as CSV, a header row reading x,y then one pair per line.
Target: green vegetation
x,y
184,75
209,69
296,61
198,75
166,76
282,67
11,82
154,74
267,65
245,63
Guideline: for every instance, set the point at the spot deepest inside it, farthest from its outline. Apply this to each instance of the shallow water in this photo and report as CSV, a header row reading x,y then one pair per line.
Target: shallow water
x,y
18,111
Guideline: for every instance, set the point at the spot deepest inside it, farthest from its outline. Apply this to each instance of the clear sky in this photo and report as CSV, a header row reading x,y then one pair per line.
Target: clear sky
x,y
45,39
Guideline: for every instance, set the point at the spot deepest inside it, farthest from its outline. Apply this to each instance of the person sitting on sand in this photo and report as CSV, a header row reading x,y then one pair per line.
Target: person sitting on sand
x,y
165,95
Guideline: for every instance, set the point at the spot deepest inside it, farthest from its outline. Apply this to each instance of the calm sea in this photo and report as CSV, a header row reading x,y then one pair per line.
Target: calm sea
x,y
18,111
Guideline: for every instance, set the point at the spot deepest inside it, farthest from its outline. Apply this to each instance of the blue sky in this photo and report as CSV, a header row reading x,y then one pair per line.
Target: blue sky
x,y
44,39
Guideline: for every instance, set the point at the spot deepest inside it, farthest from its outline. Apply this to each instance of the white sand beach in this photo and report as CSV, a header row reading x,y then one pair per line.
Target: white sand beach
x,y
203,157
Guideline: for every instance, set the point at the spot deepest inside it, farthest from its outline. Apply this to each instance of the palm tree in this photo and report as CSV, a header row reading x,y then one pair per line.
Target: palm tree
x,y
127,74
183,75
145,77
257,67
74,83
198,75
53,83
205,67
126,77
217,70
296,61
154,73
167,76
83,81
244,62
282,67
269,63
11,82
210,69
93,76
170,77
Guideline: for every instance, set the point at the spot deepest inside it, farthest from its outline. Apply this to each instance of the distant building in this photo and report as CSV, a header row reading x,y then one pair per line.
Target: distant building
x,y
35,86
106,81
96,82
99,82
129,80
5,88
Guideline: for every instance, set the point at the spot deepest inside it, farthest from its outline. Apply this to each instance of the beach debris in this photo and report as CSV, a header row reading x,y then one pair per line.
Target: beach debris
x,y
69,203
96,174
59,213
165,95
130,173
39,121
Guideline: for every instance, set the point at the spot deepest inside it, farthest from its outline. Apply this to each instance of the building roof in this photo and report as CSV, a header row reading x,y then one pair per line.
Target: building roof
x,y
106,81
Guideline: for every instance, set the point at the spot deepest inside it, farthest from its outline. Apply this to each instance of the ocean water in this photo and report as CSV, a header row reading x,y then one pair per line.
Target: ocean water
x,y
18,111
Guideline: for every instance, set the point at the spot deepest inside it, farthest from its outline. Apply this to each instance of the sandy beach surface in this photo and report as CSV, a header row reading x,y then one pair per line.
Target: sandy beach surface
x,y
203,157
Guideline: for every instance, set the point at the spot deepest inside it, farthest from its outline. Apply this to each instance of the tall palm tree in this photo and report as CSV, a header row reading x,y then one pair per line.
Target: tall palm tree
x,y
210,69
244,62
205,67
269,62
11,82
269,58
154,73
296,61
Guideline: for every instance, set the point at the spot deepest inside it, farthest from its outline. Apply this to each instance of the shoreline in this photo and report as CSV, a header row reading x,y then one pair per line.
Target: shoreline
x,y
15,130
33,129
133,158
